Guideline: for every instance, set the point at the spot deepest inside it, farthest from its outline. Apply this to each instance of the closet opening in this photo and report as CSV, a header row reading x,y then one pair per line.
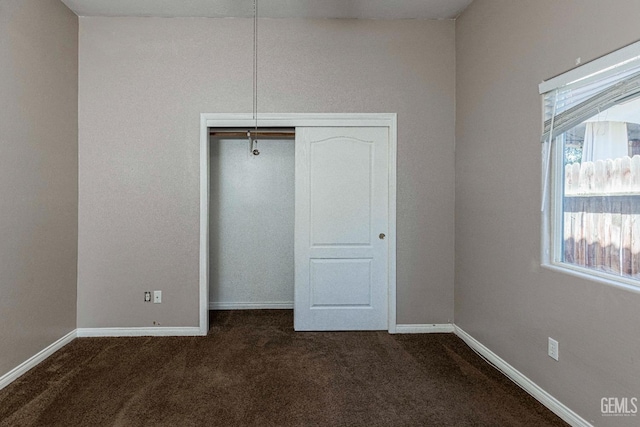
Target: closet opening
x,y
251,218
307,222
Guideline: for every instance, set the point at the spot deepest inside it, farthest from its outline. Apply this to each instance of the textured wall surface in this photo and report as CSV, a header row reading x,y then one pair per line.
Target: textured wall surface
x,y
143,84
251,222
38,176
503,298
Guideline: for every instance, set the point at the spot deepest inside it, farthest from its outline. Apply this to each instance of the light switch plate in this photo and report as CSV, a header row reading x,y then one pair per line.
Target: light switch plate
x,y
553,348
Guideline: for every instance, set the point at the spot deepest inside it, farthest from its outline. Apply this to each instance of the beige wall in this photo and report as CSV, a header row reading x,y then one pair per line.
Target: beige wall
x,y
38,176
143,84
503,298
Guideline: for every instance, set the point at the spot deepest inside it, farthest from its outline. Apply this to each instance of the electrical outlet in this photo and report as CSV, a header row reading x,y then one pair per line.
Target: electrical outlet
x,y
157,297
147,296
553,348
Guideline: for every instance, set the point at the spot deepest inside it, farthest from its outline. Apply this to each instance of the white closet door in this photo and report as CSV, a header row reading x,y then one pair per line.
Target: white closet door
x,y
341,219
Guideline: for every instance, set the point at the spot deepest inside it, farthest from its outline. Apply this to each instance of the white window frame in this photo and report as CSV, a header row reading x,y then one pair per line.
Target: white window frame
x,y
552,238
552,211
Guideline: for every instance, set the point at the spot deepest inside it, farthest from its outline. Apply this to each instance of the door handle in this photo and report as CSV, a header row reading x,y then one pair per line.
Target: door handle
x,y
382,236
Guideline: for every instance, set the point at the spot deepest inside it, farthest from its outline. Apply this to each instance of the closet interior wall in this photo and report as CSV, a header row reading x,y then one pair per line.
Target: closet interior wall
x,y
251,224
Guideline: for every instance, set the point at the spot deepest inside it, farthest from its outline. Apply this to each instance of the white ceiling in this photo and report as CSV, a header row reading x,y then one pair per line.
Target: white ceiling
x,y
359,9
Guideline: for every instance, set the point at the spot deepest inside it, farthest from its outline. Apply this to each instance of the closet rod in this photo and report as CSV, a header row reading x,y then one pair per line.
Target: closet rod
x,y
258,134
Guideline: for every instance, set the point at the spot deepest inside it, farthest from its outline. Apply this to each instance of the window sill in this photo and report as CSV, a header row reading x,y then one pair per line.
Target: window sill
x,y
587,274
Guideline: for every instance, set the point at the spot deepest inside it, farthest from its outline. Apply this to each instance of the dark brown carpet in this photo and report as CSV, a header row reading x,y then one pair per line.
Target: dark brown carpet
x,y
252,369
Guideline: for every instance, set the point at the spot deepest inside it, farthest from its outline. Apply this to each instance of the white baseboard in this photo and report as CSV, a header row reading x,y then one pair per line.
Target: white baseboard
x,y
429,328
525,383
159,331
285,305
31,362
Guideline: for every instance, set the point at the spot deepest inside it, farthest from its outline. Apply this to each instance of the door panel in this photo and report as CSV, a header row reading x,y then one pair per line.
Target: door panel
x,y
341,208
340,283
341,192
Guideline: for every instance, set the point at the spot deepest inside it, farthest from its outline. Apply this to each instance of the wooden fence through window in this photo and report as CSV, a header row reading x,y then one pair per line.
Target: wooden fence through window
x,y
602,215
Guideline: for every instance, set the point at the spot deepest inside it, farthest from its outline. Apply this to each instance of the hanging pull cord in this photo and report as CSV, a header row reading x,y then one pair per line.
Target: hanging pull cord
x,y
253,142
549,145
255,64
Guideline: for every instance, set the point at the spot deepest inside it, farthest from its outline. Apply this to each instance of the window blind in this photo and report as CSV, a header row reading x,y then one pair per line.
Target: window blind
x,y
582,93
585,98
